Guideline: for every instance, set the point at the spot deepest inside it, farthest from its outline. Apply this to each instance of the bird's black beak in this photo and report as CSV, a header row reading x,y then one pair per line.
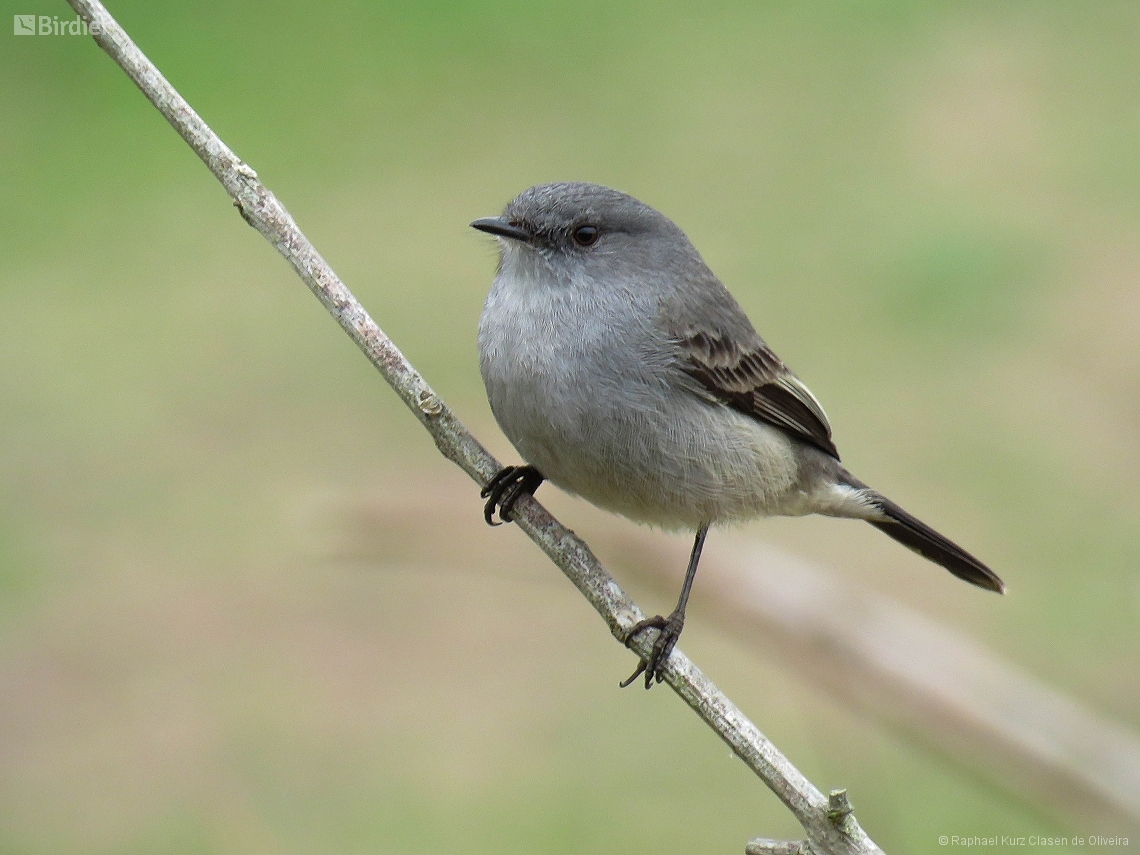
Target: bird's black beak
x,y
501,228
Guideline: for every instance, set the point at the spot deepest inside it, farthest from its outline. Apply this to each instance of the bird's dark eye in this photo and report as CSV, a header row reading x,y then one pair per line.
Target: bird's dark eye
x,y
586,235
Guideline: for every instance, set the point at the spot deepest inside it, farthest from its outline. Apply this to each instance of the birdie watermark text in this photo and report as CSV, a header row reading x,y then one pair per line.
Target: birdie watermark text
x,y
1029,841
52,25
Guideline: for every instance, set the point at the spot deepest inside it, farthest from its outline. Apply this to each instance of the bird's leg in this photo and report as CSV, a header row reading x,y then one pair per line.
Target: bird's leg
x,y
669,628
504,490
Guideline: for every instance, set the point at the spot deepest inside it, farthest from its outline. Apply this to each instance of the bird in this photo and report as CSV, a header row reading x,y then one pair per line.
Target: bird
x,y
624,372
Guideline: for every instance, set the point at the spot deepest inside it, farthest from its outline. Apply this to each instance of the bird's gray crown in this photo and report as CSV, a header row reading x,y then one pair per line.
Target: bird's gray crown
x,y
551,212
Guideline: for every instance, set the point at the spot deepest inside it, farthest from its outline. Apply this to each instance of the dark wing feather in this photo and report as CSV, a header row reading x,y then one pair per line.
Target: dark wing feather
x,y
754,381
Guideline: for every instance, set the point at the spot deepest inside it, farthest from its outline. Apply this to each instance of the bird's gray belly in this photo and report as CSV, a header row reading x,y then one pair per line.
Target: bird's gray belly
x,y
642,448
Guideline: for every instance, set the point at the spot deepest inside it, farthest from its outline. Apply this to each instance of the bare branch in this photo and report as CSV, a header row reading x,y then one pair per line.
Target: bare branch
x,y
765,846
907,673
828,831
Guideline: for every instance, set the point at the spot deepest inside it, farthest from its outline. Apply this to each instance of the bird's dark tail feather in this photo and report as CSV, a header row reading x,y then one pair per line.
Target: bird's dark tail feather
x,y
913,533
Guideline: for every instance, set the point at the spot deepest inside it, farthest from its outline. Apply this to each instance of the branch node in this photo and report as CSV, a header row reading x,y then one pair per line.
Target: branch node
x,y
429,403
839,807
244,214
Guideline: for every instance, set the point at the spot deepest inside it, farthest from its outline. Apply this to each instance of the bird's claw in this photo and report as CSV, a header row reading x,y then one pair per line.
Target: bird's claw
x,y
669,630
504,490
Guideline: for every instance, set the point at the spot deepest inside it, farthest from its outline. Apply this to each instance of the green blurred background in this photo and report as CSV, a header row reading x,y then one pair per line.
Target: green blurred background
x,y
244,605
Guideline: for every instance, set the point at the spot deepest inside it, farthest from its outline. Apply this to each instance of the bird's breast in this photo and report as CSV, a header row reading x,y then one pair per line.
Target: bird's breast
x,y
589,393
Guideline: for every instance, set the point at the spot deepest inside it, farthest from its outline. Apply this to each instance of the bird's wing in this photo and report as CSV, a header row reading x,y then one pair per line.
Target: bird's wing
x,y
752,379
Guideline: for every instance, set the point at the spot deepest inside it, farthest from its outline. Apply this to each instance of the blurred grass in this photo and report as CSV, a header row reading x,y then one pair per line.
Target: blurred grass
x,y
929,209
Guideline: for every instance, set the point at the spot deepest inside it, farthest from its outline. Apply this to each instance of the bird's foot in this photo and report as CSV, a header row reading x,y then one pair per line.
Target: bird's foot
x,y
504,490
669,630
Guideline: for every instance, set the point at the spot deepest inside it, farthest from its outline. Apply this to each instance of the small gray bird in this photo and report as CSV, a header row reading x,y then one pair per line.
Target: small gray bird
x,y
623,370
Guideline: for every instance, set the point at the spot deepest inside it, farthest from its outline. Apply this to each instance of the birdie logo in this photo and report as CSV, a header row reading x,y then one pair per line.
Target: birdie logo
x,y
52,25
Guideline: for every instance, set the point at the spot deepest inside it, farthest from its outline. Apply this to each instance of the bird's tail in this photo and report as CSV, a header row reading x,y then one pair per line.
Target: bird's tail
x,y
917,535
